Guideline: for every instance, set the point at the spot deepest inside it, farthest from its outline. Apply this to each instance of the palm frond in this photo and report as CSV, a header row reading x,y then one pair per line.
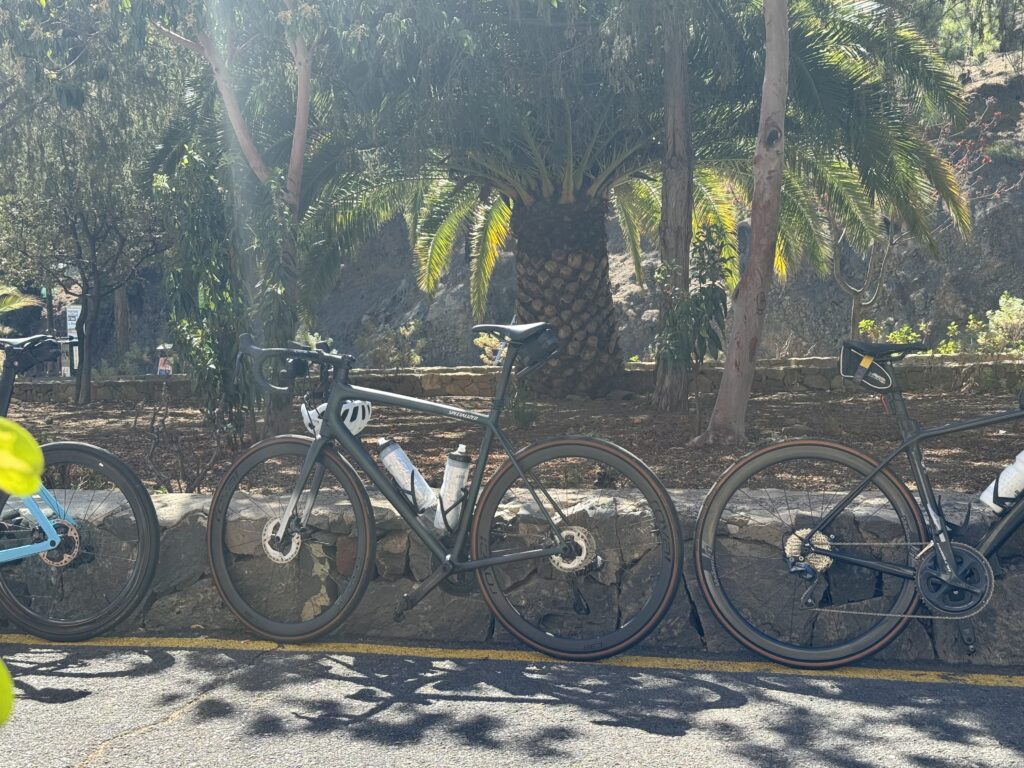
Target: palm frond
x,y
490,233
447,210
11,299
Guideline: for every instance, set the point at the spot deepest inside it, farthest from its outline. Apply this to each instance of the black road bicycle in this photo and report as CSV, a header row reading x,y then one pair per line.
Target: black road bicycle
x,y
78,556
815,555
574,542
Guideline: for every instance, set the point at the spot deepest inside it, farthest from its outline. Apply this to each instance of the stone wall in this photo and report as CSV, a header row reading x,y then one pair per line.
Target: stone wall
x,y
961,373
184,599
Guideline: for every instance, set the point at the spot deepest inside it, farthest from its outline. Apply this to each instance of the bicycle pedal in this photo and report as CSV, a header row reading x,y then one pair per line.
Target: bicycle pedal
x,y
965,629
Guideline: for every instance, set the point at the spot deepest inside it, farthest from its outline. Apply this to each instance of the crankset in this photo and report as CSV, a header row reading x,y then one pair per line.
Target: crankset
x,y
957,600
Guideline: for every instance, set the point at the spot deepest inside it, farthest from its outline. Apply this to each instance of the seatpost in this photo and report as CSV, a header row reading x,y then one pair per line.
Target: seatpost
x,y
506,372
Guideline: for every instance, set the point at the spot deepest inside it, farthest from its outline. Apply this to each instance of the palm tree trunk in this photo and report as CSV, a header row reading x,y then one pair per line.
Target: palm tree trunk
x,y
728,419
562,279
675,229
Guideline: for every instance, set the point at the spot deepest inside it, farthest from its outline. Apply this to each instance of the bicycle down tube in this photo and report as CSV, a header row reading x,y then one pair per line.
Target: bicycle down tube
x,y
912,436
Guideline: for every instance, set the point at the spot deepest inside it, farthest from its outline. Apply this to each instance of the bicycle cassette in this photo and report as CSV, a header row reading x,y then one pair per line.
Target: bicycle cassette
x,y
795,549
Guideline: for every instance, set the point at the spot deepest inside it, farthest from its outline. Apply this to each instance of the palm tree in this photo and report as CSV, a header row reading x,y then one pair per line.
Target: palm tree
x,y
11,299
543,170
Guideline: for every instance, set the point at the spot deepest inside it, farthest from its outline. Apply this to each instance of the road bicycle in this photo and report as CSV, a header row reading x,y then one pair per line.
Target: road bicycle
x,y
79,556
575,544
813,554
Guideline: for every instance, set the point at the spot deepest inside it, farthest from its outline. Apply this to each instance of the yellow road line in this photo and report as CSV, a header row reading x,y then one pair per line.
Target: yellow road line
x,y
494,654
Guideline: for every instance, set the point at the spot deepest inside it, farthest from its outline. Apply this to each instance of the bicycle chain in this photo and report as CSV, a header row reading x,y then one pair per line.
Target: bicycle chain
x,y
890,614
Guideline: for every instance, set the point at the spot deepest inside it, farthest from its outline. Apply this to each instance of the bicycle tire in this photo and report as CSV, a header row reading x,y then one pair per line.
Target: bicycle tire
x,y
712,583
662,558
224,555
14,580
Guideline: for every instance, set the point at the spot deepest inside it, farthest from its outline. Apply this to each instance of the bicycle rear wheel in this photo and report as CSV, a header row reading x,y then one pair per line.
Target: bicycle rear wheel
x,y
285,591
625,565
106,561
828,612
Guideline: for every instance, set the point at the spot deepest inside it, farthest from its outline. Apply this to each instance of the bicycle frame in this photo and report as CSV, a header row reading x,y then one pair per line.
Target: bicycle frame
x,y
13,362
52,537
333,430
912,436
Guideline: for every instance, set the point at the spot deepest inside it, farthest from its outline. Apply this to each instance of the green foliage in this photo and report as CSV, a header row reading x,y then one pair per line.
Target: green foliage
x,y
490,348
1004,330
1001,332
952,344
693,326
905,334
208,301
870,330
389,347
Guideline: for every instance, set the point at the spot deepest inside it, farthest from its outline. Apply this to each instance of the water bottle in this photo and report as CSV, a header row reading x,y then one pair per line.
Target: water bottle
x,y
1009,484
398,465
456,476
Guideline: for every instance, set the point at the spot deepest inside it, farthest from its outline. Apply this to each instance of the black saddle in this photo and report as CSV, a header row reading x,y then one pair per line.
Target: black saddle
x,y
30,350
517,334
884,351
23,343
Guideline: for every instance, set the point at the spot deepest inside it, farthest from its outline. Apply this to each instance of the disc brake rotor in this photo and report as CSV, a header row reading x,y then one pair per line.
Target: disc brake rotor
x,y
584,550
971,567
794,549
275,547
64,553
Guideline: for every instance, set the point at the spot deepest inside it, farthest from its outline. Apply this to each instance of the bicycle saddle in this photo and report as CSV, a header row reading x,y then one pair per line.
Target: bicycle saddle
x,y
22,343
517,334
883,351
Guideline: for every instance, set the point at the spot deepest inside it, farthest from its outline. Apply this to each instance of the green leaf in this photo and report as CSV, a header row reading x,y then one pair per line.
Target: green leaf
x,y
21,460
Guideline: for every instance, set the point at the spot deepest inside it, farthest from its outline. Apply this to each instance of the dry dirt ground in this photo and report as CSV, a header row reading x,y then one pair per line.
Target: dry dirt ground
x,y
172,450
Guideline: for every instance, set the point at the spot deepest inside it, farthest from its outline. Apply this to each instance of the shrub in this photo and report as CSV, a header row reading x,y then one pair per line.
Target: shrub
x,y
1004,330
386,347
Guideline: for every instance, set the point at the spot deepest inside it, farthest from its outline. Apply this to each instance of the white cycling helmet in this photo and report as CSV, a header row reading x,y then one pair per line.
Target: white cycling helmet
x,y
355,414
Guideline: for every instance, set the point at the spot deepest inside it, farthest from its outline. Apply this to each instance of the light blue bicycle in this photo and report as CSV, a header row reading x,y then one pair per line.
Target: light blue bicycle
x,y
78,556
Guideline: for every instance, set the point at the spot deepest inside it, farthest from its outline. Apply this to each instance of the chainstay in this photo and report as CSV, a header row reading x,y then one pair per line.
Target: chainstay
x,y
883,614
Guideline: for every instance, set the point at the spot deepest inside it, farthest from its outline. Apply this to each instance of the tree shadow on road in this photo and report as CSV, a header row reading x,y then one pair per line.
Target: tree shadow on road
x,y
73,669
539,710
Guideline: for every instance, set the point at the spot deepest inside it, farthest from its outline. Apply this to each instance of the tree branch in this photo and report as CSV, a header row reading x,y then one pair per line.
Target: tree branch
x,y
234,111
300,54
177,39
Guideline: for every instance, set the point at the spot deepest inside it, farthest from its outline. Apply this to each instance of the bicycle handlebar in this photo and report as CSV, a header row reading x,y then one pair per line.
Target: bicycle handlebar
x,y
298,352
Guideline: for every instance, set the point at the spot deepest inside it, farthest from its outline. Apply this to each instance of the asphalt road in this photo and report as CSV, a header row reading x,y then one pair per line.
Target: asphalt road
x,y
340,706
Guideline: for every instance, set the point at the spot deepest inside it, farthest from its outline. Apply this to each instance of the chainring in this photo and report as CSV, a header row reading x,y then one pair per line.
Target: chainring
x,y
972,567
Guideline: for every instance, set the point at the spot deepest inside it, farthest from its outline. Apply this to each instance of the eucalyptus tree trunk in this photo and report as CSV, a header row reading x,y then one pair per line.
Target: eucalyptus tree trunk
x,y
122,321
562,279
676,225
88,323
728,420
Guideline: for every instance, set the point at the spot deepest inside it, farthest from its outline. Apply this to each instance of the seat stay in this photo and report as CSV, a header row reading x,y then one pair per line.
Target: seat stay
x,y
52,540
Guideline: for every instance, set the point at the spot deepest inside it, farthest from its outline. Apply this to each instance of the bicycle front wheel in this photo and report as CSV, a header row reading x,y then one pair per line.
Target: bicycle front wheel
x,y
792,605
623,566
301,585
108,553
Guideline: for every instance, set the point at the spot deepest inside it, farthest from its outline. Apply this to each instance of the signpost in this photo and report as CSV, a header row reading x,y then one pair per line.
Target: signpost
x,y
67,366
73,311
